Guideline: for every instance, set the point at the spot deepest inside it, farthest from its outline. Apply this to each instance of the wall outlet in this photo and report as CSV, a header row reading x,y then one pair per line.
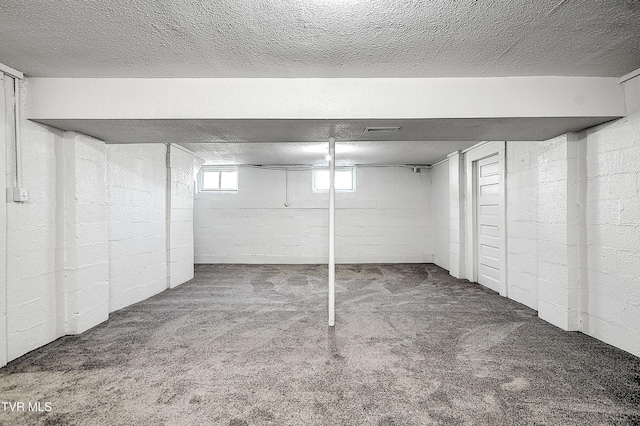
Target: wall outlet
x,y
20,195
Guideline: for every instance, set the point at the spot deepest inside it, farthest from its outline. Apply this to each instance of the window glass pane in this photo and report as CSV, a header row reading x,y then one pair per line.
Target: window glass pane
x,y
219,179
322,180
229,180
210,180
344,179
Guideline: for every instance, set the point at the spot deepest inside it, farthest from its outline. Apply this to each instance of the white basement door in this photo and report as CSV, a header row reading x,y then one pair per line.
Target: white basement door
x,y
488,205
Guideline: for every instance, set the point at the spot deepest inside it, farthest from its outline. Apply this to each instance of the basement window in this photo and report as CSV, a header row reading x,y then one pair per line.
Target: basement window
x,y
220,179
345,179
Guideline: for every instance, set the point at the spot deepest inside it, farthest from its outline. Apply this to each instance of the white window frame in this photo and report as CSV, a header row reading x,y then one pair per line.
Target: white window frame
x,y
352,169
208,168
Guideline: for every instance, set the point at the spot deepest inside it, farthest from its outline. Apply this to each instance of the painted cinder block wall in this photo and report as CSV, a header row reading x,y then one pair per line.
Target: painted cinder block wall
x,y
139,263
183,167
440,207
58,268
56,275
574,227
82,207
610,293
387,219
33,251
522,222
137,228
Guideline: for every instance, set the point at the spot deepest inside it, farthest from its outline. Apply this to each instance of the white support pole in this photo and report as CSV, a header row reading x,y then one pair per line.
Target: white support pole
x,y
167,212
332,232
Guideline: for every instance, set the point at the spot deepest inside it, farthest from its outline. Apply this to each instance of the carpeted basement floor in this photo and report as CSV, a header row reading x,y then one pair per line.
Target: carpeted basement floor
x,y
249,344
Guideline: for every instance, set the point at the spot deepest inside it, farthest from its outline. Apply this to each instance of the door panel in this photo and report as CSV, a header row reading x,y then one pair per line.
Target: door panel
x,y
487,222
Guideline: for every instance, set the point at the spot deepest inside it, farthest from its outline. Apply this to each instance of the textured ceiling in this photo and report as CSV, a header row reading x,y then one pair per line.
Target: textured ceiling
x,y
304,141
258,130
320,38
314,153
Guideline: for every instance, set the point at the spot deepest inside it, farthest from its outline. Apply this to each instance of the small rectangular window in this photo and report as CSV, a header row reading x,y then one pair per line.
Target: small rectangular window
x,y
218,179
345,179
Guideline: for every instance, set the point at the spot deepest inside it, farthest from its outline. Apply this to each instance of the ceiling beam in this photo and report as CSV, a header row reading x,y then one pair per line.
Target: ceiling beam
x,y
320,99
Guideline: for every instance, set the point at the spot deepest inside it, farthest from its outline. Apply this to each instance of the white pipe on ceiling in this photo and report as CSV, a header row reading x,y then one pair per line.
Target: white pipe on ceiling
x,y
17,106
11,72
18,132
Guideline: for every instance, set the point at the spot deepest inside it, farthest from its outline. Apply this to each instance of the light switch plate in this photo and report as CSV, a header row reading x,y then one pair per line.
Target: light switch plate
x,y
20,195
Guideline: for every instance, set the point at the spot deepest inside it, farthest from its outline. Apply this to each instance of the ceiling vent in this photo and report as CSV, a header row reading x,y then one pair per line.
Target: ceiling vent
x,y
381,129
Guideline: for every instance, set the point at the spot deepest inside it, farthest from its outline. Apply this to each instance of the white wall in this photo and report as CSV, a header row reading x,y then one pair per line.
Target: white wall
x,y
558,226
387,219
66,250
254,226
457,216
611,293
56,247
32,261
81,212
522,222
136,176
574,228
182,191
440,212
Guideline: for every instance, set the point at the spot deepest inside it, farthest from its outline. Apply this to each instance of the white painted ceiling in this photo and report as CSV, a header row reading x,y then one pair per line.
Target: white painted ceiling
x,y
270,142
319,38
298,130
314,153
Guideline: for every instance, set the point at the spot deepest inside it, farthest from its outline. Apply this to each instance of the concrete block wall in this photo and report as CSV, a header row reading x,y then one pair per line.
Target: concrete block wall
x,y
611,294
522,222
136,182
182,192
387,219
64,257
56,247
545,232
440,207
574,228
254,226
33,254
60,270
81,202
558,302
92,237
457,217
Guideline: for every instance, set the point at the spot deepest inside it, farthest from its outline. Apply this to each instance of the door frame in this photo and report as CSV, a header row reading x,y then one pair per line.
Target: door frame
x,y
471,157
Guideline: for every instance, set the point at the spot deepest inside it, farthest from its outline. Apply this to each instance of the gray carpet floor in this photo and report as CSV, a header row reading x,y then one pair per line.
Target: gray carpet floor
x,y
249,344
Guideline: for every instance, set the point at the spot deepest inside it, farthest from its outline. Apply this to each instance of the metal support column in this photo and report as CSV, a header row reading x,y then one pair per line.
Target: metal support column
x,y
332,231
